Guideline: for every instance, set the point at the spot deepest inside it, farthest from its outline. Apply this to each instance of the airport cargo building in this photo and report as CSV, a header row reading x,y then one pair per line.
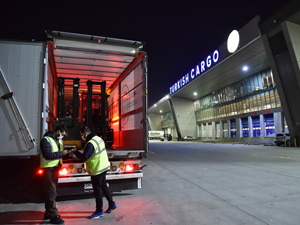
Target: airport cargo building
x,y
246,90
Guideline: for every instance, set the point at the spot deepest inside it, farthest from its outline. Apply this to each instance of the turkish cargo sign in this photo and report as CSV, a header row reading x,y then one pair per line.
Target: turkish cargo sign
x,y
198,70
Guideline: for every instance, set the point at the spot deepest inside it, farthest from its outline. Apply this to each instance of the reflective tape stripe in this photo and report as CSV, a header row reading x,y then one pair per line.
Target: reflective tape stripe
x,y
103,149
99,151
96,142
100,171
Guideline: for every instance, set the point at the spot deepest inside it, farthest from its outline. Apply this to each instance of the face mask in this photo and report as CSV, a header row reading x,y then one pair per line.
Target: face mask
x,y
83,137
60,136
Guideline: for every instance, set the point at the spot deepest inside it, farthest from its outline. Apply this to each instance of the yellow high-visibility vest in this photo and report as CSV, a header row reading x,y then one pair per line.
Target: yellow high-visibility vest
x,y
98,162
44,163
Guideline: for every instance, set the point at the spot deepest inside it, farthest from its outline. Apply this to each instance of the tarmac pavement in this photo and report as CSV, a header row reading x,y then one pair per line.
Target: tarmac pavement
x,y
192,183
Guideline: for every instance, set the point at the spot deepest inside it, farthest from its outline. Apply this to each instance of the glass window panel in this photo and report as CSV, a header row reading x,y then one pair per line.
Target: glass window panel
x,y
249,86
245,127
256,85
256,126
278,103
255,108
268,102
272,99
252,86
228,109
237,107
233,128
270,82
234,108
271,74
250,104
258,102
260,83
240,107
269,125
197,105
231,109
263,101
243,106
242,94
244,84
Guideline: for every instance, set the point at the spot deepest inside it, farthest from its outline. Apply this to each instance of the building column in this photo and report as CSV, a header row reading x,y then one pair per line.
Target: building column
x,y
277,122
239,128
229,128
262,126
175,119
250,126
207,129
221,129
213,124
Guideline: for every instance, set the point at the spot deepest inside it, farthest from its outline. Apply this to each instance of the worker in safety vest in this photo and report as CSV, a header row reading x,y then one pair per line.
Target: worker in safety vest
x,y
52,151
97,164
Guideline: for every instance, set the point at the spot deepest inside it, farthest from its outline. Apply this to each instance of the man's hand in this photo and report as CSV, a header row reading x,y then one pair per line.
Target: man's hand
x,y
65,152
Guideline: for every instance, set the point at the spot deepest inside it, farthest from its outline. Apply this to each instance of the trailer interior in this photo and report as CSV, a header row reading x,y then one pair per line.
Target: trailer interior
x,y
98,82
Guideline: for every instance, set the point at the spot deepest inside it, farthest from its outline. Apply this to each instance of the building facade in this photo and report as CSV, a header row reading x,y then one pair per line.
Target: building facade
x,y
246,90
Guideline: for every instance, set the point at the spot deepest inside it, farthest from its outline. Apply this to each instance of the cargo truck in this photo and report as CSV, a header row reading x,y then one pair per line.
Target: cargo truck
x,y
156,135
76,80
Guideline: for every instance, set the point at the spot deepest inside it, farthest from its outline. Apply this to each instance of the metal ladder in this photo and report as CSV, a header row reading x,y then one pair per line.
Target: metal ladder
x,y
29,141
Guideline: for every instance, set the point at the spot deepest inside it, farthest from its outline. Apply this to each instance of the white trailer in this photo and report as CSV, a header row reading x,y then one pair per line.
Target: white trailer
x,y
156,134
33,101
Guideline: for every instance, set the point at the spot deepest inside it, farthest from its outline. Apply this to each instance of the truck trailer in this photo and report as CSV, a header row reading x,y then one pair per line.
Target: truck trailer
x,y
156,135
76,80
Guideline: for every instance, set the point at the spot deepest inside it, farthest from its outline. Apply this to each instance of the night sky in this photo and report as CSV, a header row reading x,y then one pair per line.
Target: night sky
x,y
178,34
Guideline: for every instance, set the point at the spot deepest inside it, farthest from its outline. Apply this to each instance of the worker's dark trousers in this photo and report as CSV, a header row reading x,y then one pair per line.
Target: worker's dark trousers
x,y
50,187
99,185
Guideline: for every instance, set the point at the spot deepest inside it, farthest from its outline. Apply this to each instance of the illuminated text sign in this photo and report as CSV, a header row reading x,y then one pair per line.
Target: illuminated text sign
x,y
203,66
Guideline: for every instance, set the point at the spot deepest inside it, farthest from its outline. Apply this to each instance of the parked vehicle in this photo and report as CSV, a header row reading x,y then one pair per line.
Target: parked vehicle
x,y
188,138
156,135
76,80
281,138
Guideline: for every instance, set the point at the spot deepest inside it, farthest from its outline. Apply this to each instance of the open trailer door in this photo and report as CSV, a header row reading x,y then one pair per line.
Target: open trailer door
x,y
128,106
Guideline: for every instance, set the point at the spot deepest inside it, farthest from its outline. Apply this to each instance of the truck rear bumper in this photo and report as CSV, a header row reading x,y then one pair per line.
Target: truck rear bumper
x,y
108,177
82,185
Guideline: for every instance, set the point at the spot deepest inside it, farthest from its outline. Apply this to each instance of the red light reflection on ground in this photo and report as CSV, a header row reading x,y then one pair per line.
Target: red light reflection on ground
x,y
130,211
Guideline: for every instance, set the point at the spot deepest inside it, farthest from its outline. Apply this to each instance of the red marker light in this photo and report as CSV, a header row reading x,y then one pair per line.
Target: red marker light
x,y
129,168
40,171
63,172
99,41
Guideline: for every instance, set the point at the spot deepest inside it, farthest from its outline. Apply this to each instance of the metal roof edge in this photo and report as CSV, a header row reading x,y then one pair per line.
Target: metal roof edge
x,y
85,37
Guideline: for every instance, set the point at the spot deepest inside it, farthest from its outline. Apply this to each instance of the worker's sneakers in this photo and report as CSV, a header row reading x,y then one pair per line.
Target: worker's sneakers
x,y
56,220
47,217
96,215
111,208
